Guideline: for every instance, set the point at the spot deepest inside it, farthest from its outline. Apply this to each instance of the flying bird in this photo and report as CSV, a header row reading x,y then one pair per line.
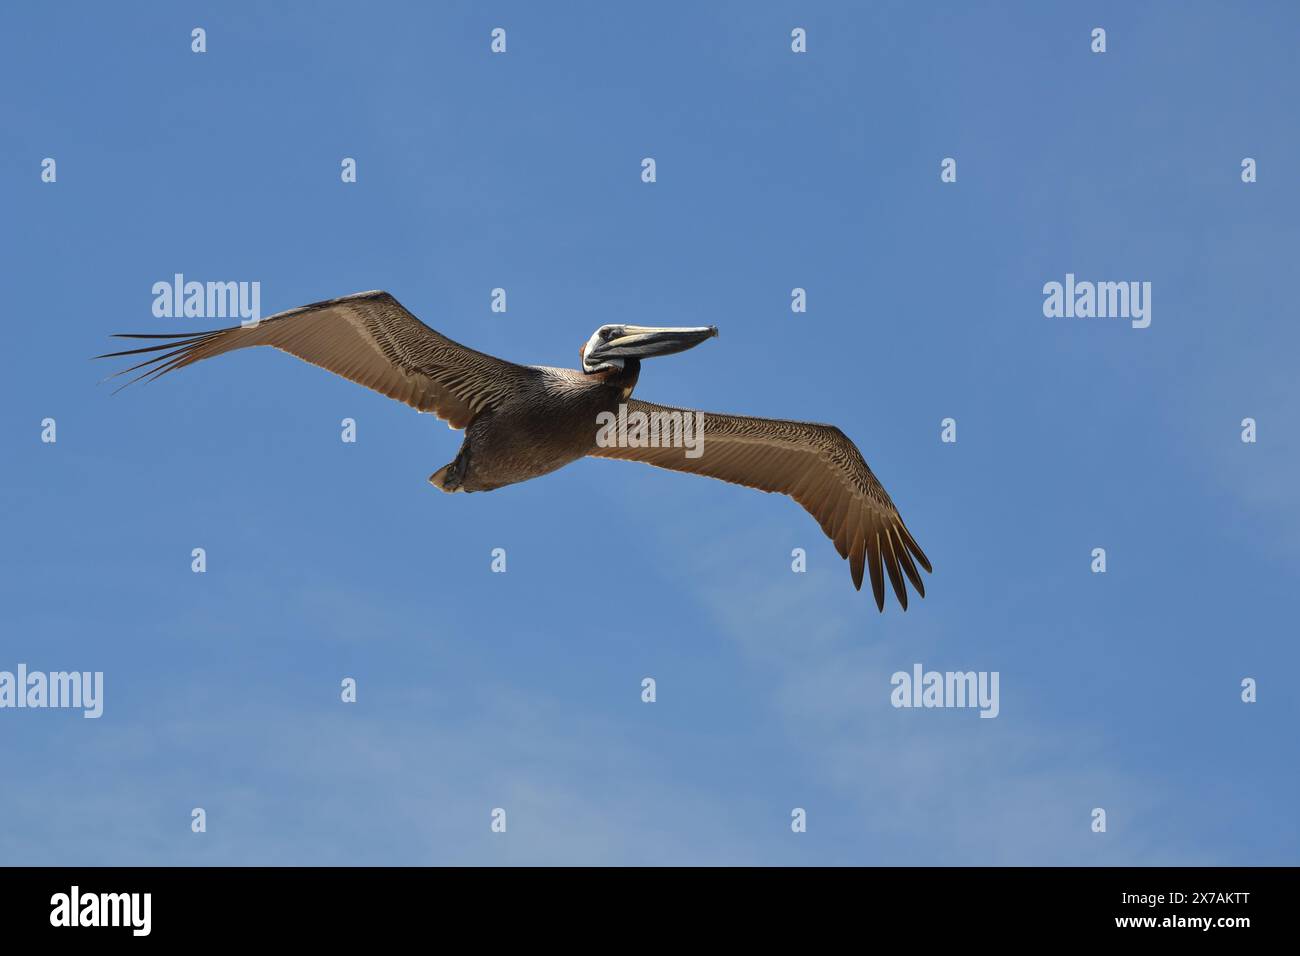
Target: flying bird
x,y
522,421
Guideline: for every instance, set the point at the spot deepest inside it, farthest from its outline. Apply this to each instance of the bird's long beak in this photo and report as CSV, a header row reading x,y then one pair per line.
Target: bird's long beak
x,y
639,341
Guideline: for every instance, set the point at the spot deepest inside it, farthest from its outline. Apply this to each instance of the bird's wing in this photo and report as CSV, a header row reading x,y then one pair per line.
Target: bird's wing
x,y
818,467
368,338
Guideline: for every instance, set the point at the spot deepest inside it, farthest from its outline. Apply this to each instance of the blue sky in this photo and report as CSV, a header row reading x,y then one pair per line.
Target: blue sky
x,y
522,690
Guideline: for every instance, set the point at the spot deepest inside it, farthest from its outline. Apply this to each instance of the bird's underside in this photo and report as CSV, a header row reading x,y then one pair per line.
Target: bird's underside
x,y
523,421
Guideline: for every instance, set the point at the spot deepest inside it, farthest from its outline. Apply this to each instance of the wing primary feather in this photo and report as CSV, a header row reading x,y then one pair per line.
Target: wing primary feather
x,y
895,574
163,335
154,348
877,575
915,548
157,358
857,540
149,374
909,568
857,563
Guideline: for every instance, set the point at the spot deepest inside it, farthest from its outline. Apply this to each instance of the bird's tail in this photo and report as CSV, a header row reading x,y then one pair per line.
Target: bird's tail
x,y
439,479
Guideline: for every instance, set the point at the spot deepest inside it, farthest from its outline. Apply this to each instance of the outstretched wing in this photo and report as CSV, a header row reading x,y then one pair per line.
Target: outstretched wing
x,y
368,338
818,467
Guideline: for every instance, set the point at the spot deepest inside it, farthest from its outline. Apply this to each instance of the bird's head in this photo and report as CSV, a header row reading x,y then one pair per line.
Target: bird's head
x,y
610,346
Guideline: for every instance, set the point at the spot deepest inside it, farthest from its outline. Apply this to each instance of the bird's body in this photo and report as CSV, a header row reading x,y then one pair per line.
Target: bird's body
x,y
524,421
547,424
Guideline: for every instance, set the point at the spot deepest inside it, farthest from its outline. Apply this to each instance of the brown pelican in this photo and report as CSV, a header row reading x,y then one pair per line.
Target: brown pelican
x,y
522,421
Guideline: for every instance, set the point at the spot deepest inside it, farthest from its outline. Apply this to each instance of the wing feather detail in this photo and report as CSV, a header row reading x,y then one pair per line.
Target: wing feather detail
x,y
818,467
368,338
